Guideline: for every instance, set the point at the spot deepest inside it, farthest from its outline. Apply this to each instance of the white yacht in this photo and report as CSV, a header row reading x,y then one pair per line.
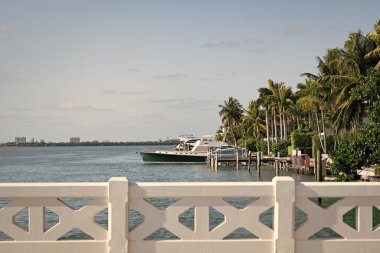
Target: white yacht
x,y
190,150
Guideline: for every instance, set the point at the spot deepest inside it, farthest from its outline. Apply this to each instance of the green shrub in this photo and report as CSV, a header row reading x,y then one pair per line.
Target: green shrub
x,y
347,159
377,170
256,145
302,139
262,146
282,147
251,144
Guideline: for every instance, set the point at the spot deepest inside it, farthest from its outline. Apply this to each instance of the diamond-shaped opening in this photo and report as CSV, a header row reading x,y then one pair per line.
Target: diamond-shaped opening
x,y
187,218
75,203
101,218
240,233
161,203
5,237
215,217
135,219
75,234
350,218
161,234
326,233
267,217
21,219
50,219
240,203
299,218
376,217
4,202
324,202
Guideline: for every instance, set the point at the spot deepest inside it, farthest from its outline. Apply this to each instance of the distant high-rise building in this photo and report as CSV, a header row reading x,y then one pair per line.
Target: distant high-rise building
x,y
20,140
74,140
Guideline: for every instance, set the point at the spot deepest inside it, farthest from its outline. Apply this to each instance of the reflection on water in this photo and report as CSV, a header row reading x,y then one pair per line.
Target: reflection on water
x,y
99,164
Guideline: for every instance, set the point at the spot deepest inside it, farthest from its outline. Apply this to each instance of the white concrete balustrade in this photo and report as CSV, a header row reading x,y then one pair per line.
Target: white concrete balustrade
x,y
187,215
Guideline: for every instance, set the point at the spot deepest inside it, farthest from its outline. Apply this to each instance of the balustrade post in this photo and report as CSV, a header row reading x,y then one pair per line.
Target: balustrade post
x,y
118,215
284,215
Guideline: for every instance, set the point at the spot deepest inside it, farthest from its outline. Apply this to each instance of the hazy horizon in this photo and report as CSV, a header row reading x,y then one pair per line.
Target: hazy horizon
x,y
148,70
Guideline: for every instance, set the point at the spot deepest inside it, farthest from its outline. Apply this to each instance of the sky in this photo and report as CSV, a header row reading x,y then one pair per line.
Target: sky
x,y
154,69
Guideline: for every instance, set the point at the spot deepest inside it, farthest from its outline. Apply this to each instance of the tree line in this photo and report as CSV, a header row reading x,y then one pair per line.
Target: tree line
x,y
335,104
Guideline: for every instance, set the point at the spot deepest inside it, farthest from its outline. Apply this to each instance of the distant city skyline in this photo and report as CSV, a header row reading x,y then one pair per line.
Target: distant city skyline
x,y
147,70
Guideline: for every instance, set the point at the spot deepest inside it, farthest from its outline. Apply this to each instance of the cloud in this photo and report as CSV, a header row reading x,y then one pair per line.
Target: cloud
x,y
218,77
223,44
3,30
171,76
132,70
297,31
22,109
8,78
251,44
122,92
182,103
75,107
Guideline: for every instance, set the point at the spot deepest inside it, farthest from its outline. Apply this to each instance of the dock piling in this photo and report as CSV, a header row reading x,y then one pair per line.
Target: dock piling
x,y
258,164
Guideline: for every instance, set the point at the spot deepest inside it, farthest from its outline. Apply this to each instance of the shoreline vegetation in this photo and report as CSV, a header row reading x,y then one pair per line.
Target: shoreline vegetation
x,y
336,110
93,143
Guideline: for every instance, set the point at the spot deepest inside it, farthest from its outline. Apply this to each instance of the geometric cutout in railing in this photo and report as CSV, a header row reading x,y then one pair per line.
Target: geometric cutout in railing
x,y
349,218
240,234
101,218
376,218
187,218
21,219
5,237
4,202
326,233
267,217
75,234
135,219
161,234
215,217
324,202
299,218
161,203
240,203
75,203
50,219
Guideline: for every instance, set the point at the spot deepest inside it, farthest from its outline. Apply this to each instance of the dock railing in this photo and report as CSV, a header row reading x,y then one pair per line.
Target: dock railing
x,y
184,222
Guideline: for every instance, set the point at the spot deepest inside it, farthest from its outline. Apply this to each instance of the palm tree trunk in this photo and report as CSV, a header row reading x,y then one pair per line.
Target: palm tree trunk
x,y
281,123
309,116
230,126
267,128
324,132
319,132
285,122
272,124
275,124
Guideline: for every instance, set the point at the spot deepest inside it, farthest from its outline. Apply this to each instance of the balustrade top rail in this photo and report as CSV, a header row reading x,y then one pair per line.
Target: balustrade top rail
x,y
192,217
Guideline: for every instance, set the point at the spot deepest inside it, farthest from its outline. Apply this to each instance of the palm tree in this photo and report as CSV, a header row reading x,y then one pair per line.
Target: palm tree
x,y
340,71
264,101
284,101
375,38
273,99
312,100
231,112
253,119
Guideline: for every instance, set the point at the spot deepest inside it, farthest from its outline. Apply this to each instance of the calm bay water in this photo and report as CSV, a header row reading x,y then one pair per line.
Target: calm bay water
x,y
99,164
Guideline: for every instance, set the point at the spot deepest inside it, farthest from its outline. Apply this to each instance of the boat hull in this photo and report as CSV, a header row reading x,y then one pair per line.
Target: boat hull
x,y
158,157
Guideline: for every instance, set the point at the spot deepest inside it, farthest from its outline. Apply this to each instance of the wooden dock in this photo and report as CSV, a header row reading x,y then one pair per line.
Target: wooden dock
x,y
300,164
